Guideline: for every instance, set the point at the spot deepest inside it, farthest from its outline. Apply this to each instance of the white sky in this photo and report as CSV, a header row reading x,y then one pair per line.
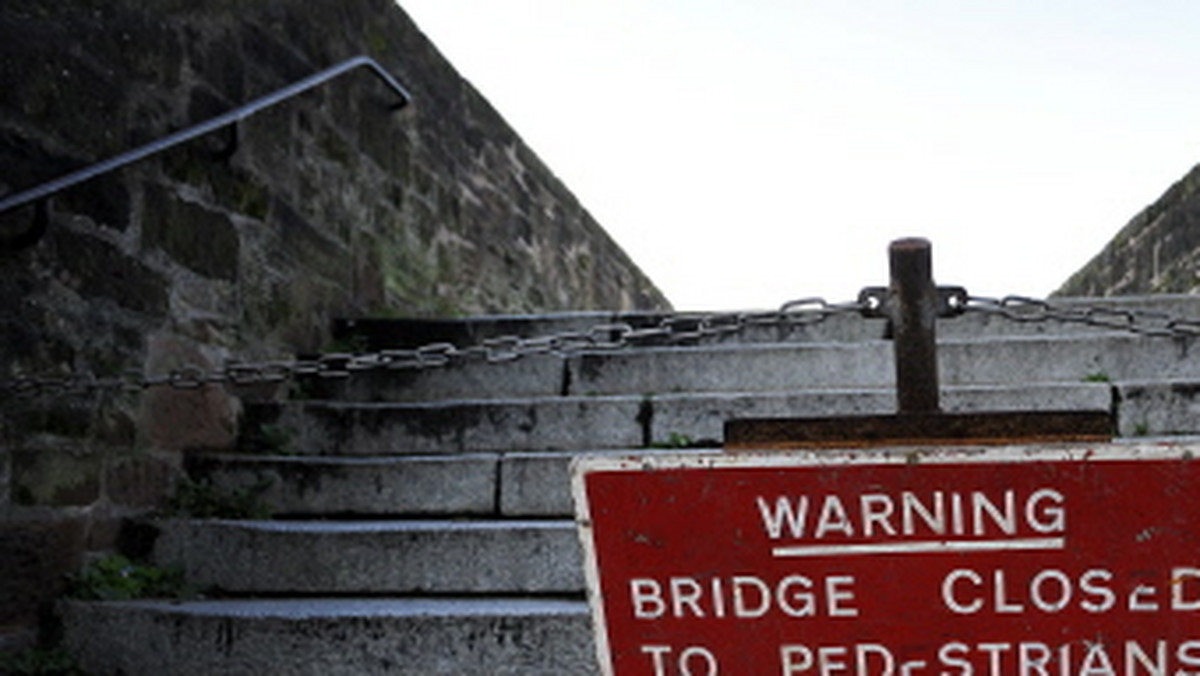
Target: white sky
x,y
747,152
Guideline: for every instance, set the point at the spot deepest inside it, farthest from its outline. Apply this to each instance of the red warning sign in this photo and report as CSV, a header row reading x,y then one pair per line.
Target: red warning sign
x,y
1052,562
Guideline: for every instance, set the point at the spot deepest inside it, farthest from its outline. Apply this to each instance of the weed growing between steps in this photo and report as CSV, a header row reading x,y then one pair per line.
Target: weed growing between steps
x,y
116,578
203,500
39,662
267,439
678,441
675,440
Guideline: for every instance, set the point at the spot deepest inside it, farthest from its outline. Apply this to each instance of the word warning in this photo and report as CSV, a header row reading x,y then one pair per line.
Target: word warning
x,y
1062,561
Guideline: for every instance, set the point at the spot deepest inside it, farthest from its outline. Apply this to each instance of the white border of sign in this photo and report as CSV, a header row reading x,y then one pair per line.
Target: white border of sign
x,y
1142,449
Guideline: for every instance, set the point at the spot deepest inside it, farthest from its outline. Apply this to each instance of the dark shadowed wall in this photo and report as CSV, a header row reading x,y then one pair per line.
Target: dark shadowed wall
x,y
238,247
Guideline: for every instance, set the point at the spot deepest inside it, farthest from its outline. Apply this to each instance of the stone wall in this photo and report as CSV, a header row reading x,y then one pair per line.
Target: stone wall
x,y
1157,252
238,246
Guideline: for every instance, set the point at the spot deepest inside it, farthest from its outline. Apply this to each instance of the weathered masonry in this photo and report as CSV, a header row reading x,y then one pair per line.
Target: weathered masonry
x,y
243,244
376,495
423,519
1158,251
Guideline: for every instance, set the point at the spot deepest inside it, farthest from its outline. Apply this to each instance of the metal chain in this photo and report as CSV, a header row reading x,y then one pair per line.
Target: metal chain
x,y
1034,310
671,329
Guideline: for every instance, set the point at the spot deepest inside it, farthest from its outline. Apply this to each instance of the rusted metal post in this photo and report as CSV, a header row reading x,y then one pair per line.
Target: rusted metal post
x,y
914,305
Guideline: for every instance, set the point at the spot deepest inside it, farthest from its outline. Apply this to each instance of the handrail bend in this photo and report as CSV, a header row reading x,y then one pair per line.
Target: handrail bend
x,y
50,188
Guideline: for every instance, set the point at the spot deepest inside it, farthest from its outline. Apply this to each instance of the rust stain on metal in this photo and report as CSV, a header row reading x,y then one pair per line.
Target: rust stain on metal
x,y
914,320
911,429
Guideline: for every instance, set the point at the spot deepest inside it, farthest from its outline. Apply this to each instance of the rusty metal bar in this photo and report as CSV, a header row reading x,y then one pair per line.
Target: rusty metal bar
x,y
914,315
921,429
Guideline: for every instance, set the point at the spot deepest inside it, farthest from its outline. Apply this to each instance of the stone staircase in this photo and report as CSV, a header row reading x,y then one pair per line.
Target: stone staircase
x,y
423,518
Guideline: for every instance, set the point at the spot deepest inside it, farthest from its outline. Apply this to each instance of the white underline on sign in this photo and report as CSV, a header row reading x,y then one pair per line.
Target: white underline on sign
x,y
921,546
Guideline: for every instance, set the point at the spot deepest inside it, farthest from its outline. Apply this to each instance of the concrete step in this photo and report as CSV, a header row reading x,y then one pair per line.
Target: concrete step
x,y
533,484
772,367
605,422
374,557
332,637
1009,361
539,484
536,483
1158,407
356,486
375,334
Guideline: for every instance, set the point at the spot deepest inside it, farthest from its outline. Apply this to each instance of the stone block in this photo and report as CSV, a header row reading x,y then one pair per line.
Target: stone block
x,y
539,484
104,199
37,548
58,475
1012,360
464,426
700,418
1029,397
203,168
307,246
63,420
384,143
141,481
104,528
1156,408
101,271
174,418
5,476
760,368
375,557
413,485
17,638
203,240
185,419
1019,360
536,484
269,51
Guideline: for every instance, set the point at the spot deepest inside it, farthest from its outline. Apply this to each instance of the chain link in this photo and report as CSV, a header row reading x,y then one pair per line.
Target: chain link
x,y
1024,309
671,329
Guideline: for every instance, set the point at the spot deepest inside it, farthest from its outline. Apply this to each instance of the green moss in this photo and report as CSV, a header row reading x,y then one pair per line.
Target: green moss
x,y
1097,377
355,344
252,199
377,42
55,476
202,500
116,578
186,166
675,440
231,187
40,662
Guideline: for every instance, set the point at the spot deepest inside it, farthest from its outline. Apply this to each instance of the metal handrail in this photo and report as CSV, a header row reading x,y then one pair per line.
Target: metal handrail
x,y
50,188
